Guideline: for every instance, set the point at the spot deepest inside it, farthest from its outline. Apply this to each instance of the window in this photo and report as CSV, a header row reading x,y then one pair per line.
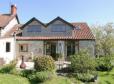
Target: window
x,y
34,28
77,27
70,48
8,46
58,28
23,47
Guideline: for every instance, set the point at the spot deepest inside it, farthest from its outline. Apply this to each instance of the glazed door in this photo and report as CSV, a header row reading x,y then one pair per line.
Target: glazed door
x,y
70,48
53,50
50,49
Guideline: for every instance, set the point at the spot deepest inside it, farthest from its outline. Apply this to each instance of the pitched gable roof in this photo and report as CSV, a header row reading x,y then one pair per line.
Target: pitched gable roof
x,y
45,25
31,20
59,18
83,33
6,18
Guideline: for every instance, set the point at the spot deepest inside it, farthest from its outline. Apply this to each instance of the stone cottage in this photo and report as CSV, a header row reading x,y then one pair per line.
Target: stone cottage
x,y
36,38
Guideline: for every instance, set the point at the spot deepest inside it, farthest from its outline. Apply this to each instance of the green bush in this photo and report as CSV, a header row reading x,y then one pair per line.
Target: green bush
x,y
82,62
44,63
8,67
41,76
104,63
26,73
86,77
15,72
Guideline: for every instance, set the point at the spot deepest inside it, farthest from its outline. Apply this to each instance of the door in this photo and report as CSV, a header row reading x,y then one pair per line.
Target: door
x,y
70,48
50,48
53,50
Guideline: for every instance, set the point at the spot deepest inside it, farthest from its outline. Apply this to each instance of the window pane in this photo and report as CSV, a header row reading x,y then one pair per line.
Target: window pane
x,y
23,47
34,28
7,46
58,28
70,48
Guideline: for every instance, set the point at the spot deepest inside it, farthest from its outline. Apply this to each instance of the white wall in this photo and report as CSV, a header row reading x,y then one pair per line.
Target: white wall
x,y
10,25
8,56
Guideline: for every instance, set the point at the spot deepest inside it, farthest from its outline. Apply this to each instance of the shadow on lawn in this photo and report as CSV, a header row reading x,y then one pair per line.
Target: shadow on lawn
x,y
112,76
107,82
33,82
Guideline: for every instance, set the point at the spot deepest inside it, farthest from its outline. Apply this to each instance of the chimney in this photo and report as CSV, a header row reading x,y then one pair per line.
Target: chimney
x,y
13,10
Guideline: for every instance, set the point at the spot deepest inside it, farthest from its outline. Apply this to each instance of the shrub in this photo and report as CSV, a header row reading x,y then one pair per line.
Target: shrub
x,y
104,63
8,67
65,70
44,63
26,73
23,73
82,62
86,77
41,76
15,72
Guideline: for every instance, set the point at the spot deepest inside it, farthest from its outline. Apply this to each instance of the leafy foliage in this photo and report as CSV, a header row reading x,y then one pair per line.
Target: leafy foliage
x,y
82,62
40,76
8,67
104,39
104,63
86,77
44,63
83,66
26,73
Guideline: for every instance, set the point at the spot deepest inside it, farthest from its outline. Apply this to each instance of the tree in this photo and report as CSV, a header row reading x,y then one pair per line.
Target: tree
x,y
104,39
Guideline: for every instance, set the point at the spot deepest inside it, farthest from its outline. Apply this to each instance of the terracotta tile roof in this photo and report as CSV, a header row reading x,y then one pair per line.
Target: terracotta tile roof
x,y
42,38
5,19
81,31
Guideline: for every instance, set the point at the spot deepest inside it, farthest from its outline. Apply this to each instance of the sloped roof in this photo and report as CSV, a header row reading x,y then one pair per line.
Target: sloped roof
x,y
5,19
45,25
83,33
33,19
60,19
80,31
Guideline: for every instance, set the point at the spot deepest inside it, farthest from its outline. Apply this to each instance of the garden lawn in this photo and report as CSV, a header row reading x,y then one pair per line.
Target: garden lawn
x,y
58,80
106,77
12,79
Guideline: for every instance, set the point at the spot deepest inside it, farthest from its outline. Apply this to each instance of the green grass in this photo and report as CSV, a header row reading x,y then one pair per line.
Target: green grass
x,y
58,80
106,77
12,79
103,78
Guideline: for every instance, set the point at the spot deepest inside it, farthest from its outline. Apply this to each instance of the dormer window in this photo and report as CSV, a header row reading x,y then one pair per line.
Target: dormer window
x,y
58,28
77,27
34,28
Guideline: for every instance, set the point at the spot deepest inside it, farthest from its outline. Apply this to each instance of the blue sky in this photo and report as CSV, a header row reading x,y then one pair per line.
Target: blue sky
x,y
90,11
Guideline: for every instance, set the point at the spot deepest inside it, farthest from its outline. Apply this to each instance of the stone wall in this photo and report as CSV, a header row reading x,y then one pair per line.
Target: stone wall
x,y
35,48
